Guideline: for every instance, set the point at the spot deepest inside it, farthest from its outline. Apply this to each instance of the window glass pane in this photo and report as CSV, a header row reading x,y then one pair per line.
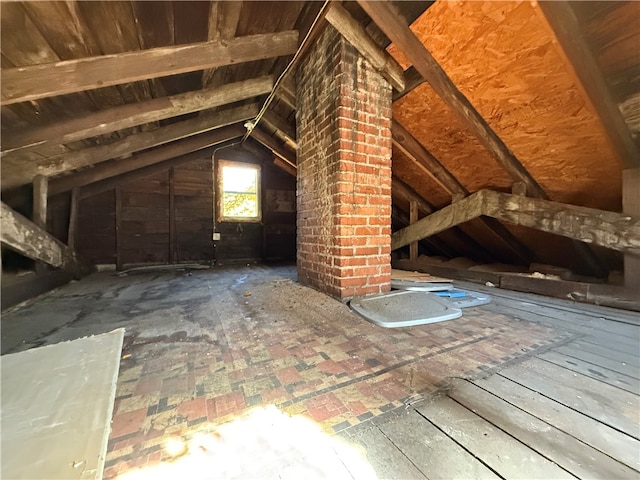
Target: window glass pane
x,y
240,205
239,195
240,179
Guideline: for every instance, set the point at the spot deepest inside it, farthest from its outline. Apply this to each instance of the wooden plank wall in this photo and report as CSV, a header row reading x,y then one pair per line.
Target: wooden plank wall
x,y
145,221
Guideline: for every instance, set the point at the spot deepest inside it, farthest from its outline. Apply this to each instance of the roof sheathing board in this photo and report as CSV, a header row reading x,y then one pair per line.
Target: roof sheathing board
x,y
501,56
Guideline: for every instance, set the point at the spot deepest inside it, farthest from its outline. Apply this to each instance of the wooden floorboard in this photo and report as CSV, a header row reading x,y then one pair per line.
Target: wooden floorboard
x,y
627,344
569,319
596,311
610,405
597,372
384,456
565,450
611,442
612,359
503,453
432,451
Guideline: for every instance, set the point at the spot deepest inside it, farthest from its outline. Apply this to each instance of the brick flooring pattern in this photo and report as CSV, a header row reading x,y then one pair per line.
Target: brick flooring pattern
x,y
280,343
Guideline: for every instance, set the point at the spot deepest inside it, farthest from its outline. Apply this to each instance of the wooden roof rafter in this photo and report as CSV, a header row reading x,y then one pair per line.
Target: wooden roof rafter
x,y
404,191
561,21
20,84
126,146
413,149
110,169
386,16
130,115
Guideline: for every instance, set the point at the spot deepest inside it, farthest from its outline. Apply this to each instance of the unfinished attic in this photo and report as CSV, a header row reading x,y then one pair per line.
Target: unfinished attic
x,y
204,202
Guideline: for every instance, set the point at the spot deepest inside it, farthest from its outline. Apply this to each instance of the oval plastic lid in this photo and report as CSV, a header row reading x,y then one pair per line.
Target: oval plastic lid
x,y
404,308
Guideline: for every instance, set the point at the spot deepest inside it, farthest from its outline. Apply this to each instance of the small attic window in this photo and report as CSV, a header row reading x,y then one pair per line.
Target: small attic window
x,y
239,192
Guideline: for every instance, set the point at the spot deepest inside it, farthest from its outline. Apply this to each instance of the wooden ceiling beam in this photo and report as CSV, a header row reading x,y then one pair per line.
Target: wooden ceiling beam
x,y
30,240
47,80
402,190
107,170
130,115
612,230
350,29
413,149
393,25
133,143
563,25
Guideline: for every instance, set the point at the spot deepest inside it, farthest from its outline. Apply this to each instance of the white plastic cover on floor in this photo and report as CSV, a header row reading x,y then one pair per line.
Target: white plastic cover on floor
x,y
404,308
57,403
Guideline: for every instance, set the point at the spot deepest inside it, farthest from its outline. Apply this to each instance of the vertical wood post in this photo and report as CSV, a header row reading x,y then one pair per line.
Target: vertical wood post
x,y
413,217
40,189
631,205
118,209
172,218
73,218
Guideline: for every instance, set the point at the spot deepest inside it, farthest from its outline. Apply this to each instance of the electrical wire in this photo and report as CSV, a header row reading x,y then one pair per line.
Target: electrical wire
x,y
250,125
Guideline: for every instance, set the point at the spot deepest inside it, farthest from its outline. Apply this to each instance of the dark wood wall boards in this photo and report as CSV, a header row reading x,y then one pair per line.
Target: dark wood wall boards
x,y
168,217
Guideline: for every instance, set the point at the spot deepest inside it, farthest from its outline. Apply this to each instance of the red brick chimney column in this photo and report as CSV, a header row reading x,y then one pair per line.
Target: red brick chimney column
x,y
344,171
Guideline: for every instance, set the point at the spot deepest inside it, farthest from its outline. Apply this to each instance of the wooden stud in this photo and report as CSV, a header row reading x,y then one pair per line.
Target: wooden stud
x,y
631,206
40,186
130,115
118,220
173,252
350,29
73,218
59,78
609,229
560,19
413,218
133,143
394,26
106,170
281,128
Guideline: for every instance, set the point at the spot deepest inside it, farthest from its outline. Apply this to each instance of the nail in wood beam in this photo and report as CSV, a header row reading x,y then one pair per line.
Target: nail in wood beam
x,y
59,78
393,25
350,29
563,25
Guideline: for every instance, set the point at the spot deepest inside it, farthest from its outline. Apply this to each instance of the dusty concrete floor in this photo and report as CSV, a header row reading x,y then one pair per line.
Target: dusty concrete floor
x,y
205,347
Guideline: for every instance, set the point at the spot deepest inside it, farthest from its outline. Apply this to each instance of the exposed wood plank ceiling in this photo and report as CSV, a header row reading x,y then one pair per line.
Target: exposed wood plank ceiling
x,y
501,56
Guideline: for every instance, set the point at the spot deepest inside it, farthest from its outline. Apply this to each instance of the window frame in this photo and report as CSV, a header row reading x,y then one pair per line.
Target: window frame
x,y
221,163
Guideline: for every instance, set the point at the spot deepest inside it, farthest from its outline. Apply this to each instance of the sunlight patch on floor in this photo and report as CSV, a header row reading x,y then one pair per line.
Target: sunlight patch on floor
x,y
263,443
